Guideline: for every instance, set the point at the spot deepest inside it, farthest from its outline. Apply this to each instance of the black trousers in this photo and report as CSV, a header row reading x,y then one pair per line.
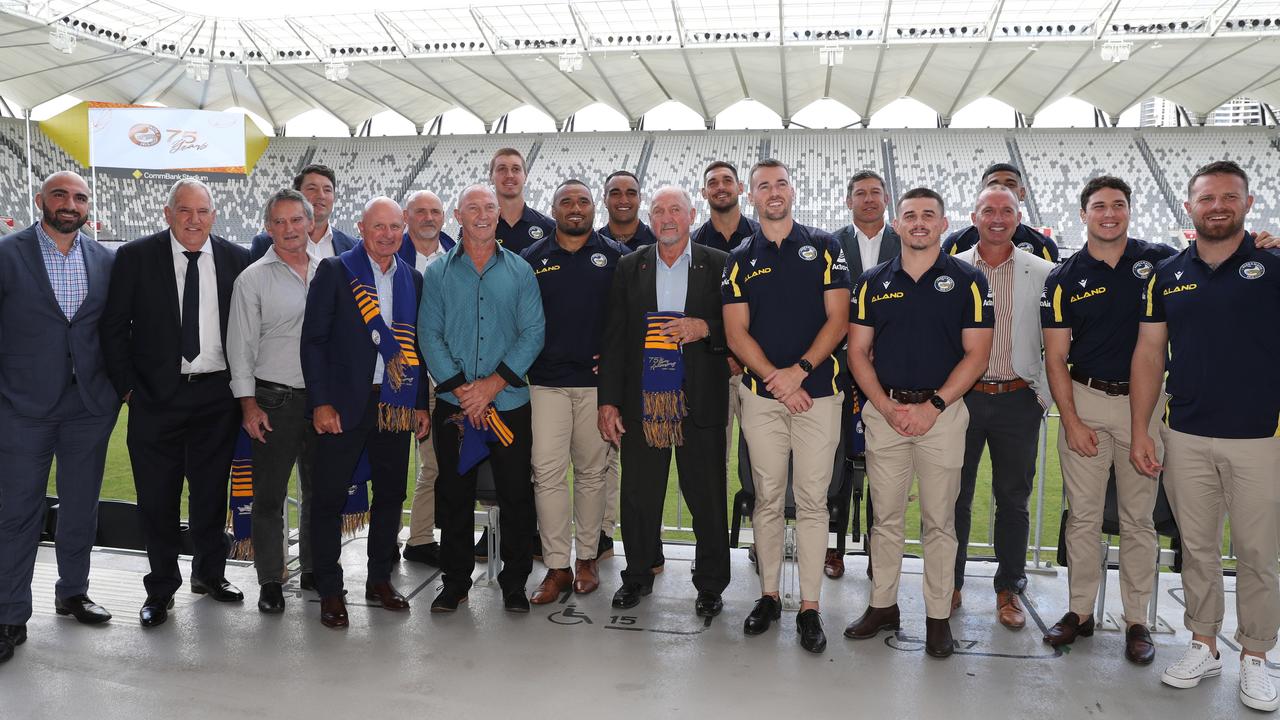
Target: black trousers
x,y
701,469
335,462
456,500
193,435
1008,424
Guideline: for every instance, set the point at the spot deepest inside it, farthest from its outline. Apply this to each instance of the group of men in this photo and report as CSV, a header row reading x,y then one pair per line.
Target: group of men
x,y
538,343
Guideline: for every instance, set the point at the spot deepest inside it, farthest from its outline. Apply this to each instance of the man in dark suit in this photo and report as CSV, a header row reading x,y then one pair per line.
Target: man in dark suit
x,y
163,333
674,275
317,183
55,400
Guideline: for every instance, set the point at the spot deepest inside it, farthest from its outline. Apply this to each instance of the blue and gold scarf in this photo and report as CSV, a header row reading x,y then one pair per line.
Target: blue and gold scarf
x,y
662,384
240,507
473,442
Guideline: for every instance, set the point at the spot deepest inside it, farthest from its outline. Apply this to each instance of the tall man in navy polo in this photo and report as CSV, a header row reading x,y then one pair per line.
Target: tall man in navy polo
x,y
920,335
786,296
519,225
574,268
480,326
1213,306
1024,238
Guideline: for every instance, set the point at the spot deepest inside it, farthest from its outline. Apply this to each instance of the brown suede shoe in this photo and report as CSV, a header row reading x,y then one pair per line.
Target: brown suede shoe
x,y
557,582
833,566
1009,610
586,579
937,637
957,599
1066,630
873,621
1138,648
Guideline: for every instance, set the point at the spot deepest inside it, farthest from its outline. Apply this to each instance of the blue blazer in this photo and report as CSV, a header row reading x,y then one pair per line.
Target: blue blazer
x,y
39,347
342,242
338,356
408,254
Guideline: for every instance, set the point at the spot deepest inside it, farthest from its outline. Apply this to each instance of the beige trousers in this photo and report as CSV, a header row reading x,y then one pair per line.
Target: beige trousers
x,y
565,428
422,516
808,442
1206,478
893,461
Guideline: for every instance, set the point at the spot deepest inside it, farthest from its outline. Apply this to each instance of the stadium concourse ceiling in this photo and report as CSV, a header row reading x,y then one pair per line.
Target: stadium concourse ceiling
x,y
636,54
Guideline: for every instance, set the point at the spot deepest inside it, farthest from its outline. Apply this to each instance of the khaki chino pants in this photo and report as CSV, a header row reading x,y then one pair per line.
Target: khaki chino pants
x,y
565,428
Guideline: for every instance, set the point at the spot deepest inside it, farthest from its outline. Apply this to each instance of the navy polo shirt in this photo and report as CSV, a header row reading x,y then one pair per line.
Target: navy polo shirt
x,y
1223,343
784,286
532,227
919,325
706,234
644,236
575,301
1099,304
1024,238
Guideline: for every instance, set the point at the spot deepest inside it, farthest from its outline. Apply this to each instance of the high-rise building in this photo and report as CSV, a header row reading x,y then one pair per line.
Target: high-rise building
x,y
1237,111
1157,112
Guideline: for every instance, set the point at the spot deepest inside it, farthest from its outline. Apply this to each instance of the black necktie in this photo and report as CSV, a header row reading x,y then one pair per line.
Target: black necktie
x,y
191,308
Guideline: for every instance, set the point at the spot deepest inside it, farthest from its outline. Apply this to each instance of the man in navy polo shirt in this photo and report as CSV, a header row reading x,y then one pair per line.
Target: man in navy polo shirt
x,y
519,225
574,268
622,200
1024,238
919,337
1213,306
786,296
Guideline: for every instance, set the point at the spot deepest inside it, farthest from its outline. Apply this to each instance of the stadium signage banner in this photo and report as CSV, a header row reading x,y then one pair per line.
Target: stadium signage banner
x,y
142,140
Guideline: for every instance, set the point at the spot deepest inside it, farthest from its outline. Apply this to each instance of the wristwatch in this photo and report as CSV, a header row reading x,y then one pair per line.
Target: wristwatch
x,y
938,402
805,365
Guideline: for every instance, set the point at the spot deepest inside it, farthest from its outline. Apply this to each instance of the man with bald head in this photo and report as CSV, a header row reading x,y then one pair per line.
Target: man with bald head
x,y
1006,405
55,401
367,391
675,285
481,327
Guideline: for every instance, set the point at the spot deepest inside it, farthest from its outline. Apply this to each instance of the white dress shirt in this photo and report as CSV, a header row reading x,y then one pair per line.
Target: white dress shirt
x,y
211,357
422,262
323,248
869,247
384,282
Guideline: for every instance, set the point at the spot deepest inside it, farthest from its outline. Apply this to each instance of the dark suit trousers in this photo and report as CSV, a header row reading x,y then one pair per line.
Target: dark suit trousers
x,y
27,448
335,462
192,435
456,500
701,469
1009,426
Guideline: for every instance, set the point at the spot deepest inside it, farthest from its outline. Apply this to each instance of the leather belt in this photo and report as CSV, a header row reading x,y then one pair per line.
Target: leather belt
x,y
910,397
200,377
1110,388
1000,388
377,387
277,387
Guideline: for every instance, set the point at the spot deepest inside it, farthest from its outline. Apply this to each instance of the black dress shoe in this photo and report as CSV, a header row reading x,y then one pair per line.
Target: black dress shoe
x,y
6,650
708,604
307,581
1066,630
809,628
448,600
155,611
767,609
82,608
628,596
515,601
1138,647
937,638
15,634
271,598
426,553
219,590
873,621
482,546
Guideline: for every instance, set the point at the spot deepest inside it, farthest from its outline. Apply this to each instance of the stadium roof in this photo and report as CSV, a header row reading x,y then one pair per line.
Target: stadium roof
x,y
636,54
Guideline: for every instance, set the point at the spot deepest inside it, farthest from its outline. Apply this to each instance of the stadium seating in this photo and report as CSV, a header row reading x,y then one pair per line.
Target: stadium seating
x,y
589,158
678,158
950,162
1180,151
822,162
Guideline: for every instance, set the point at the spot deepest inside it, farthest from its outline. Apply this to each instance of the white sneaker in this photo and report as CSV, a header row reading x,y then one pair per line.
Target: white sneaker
x,y
1195,664
1256,689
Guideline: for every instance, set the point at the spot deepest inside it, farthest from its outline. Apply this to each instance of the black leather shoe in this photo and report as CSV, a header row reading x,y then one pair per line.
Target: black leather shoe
x,y
426,553
307,581
11,636
515,601
873,621
271,598
628,596
155,611
767,609
937,638
219,590
809,628
448,600
604,548
6,650
708,604
1066,630
1138,647
482,546
82,609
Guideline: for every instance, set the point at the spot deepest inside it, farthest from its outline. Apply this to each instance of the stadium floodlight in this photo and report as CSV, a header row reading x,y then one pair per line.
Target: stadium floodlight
x,y
336,71
62,40
570,61
830,55
1116,51
198,70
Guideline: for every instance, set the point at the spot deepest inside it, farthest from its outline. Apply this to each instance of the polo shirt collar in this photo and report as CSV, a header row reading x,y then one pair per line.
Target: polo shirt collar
x,y
1246,246
895,265
593,241
797,234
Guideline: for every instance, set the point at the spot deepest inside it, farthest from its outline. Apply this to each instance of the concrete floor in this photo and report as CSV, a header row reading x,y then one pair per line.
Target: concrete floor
x,y
581,657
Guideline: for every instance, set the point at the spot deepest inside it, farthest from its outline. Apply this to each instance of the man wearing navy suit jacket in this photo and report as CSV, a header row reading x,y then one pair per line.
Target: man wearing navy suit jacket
x,y
55,400
317,183
163,333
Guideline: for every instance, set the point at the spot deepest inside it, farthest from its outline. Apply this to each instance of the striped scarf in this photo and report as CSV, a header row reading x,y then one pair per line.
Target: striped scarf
x,y
473,442
662,384
240,508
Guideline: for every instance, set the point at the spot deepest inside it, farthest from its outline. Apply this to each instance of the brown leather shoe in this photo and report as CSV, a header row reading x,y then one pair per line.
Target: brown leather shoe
x,y
1138,648
586,579
937,637
1009,610
834,565
873,621
557,582
957,599
385,595
1066,630
333,612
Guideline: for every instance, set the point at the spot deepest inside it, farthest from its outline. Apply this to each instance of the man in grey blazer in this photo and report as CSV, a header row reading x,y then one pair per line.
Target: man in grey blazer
x,y
55,401
1008,402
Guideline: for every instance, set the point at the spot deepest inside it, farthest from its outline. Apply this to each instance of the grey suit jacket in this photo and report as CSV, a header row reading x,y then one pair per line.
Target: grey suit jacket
x,y
890,247
39,347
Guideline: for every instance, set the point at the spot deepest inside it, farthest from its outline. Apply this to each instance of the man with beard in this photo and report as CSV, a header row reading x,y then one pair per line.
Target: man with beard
x,y
1210,310
519,225
622,200
574,268
318,184
55,402
1024,238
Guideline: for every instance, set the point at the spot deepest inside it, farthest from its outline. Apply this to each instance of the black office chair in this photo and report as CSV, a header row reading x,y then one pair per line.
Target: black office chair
x,y
49,530
1162,515
118,525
